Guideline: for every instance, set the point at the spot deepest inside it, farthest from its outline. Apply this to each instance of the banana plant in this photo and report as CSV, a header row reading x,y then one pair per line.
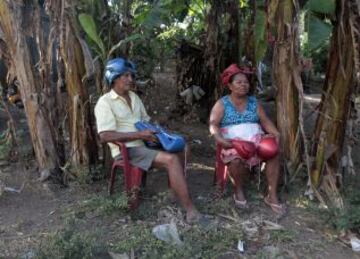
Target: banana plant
x,y
88,24
318,14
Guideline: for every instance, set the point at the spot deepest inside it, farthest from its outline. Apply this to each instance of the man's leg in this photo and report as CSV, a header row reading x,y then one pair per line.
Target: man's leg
x,y
184,160
238,173
177,180
272,171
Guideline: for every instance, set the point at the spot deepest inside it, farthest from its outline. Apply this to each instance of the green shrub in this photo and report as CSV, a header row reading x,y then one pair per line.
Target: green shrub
x,y
70,243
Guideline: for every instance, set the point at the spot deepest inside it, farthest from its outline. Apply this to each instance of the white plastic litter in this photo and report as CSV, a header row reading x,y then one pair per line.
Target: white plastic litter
x,y
168,233
240,246
355,244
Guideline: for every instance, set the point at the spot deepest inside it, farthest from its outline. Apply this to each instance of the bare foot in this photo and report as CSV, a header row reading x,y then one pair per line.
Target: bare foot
x,y
239,196
193,216
241,204
172,196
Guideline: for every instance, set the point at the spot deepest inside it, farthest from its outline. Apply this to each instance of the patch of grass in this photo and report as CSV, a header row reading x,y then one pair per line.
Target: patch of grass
x,y
222,206
88,175
198,243
349,218
5,144
70,243
107,204
149,209
282,236
99,205
343,219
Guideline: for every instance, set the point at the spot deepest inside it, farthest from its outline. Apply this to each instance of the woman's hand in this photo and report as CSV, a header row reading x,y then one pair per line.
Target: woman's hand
x,y
275,136
225,143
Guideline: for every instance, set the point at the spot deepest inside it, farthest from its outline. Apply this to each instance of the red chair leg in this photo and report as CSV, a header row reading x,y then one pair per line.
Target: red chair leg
x,y
133,181
132,177
220,175
112,179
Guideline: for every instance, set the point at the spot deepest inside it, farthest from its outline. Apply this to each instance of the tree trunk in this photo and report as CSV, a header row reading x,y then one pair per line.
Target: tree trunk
x,y
202,65
335,106
79,77
233,33
286,76
17,21
127,25
212,55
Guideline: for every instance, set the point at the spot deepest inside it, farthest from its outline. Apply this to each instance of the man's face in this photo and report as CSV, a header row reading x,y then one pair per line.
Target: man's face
x,y
124,82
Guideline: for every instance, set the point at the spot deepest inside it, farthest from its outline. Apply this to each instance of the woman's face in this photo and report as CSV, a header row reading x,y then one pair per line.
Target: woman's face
x,y
239,85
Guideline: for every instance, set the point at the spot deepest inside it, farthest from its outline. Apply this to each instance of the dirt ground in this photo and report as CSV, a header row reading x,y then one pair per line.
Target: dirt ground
x,y
31,220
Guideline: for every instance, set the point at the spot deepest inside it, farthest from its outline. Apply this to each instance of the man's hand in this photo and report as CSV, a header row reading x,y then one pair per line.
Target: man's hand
x,y
148,135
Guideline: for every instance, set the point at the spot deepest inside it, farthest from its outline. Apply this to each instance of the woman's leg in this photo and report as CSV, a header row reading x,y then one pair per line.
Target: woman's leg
x,y
238,173
272,171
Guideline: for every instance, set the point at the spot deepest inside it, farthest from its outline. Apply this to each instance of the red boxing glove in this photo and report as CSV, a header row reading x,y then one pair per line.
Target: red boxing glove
x,y
267,148
245,149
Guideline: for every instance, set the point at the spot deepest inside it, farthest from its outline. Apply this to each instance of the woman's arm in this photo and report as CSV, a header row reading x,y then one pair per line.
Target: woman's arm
x,y
216,116
267,125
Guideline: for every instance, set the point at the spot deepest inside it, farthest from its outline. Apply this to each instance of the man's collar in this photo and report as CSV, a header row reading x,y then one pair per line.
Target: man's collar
x,y
114,95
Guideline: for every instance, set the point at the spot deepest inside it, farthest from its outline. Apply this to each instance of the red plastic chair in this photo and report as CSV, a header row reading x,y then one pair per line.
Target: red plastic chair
x,y
221,171
132,177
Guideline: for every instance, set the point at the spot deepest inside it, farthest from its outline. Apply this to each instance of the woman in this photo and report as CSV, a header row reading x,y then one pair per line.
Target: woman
x,y
239,115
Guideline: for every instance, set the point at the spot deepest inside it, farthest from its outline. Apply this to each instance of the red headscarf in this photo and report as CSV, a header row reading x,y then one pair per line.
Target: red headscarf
x,y
232,70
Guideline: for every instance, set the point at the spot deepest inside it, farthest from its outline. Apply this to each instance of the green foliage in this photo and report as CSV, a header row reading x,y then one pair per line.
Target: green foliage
x,y
317,23
349,218
71,243
88,24
5,144
322,6
343,219
316,19
260,35
198,243
88,174
244,3
105,204
320,57
282,236
319,31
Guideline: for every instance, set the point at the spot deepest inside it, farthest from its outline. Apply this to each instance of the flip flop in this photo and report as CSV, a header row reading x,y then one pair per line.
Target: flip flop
x,y
279,209
240,204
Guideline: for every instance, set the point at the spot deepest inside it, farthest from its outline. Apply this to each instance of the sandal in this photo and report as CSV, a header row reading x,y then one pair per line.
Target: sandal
x,y
240,204
279,209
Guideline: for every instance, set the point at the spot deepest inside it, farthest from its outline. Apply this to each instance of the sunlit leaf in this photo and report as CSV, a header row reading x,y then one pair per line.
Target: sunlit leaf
x,y
88,24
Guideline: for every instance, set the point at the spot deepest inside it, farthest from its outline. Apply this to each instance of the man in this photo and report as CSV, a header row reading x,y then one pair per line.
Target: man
x,y
116,113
